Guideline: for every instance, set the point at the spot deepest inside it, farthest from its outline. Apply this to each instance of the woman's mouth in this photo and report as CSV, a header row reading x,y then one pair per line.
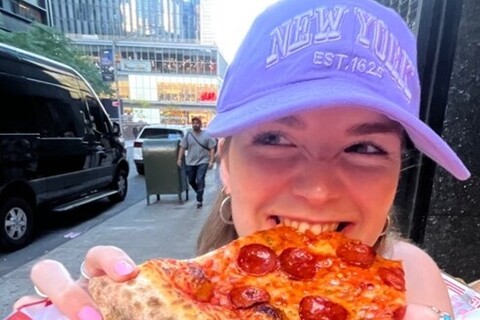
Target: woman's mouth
x,y
315,228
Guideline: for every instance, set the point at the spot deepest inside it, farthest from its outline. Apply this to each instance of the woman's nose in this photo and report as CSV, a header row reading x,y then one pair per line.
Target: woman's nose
x,y
317,181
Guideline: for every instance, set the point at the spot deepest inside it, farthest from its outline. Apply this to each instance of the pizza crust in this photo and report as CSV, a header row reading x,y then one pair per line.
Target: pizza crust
x,y
151,295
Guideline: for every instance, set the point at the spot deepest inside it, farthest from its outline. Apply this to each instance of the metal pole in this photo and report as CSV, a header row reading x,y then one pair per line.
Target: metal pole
x,y
117,91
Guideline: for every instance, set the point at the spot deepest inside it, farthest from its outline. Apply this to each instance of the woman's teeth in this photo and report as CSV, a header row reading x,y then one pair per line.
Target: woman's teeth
x,y
315,228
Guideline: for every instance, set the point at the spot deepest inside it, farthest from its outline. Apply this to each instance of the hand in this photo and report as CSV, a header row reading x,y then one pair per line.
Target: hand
x,y
71,297
421,312
210,166
179,162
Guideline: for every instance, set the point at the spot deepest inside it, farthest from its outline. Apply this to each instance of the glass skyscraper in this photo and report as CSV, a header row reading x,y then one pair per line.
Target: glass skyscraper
x,y
162,20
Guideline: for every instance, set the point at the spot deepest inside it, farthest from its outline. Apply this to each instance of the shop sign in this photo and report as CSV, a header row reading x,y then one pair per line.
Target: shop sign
x,y
186,92
136,65
208,96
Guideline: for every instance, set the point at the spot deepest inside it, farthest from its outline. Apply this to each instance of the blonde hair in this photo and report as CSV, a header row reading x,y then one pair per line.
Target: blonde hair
x,y
216,233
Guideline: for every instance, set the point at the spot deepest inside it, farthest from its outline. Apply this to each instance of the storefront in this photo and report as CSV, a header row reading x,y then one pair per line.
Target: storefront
x,y
167,114
161,83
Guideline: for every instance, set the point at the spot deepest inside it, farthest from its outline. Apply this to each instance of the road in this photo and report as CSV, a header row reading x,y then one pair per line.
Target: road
x,y
59,228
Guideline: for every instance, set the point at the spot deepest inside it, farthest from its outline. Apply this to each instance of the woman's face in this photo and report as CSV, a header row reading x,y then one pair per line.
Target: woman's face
x,y
334,169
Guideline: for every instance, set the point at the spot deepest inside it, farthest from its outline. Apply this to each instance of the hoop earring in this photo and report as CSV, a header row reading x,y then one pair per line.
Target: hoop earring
x,y
385,227
227,199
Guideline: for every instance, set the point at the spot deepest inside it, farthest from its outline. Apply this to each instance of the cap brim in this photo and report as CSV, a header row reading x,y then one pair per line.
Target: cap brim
x,y
322,93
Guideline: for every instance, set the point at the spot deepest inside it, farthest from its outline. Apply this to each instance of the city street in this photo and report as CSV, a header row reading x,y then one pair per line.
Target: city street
x,y
57,229
163,229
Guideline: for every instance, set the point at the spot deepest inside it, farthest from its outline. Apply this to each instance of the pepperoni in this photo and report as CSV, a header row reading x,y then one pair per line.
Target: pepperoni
x,y
298,263
257,259
319,308
394,277
247,296
399,314
356,253
268,312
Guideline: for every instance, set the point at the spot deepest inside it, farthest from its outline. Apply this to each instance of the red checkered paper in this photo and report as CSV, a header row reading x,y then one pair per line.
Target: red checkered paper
x,y
40,310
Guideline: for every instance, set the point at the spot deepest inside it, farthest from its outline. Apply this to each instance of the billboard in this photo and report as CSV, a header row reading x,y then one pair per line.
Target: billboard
x,y
106,65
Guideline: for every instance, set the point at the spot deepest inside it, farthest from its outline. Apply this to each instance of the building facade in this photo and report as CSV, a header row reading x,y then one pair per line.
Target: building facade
x,y
160,82
151,52
16,15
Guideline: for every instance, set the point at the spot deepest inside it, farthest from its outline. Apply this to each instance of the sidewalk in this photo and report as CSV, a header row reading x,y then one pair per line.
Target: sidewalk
x,y
162,229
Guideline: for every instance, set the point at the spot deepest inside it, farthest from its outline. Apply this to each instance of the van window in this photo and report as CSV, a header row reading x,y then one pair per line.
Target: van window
x,y
98,117
58,110
57,119
18,110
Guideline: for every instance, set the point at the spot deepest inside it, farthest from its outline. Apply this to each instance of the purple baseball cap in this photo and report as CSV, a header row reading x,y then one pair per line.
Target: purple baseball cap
x,y
308,54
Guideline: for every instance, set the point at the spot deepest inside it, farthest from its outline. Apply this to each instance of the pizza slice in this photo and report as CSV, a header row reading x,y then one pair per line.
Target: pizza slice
x,y
279,273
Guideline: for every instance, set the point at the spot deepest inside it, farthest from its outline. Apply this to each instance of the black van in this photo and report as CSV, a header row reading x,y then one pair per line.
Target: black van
x,y
58,147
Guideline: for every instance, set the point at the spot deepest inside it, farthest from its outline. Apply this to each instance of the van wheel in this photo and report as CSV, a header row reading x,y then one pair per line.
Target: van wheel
x,y
16,217
120,183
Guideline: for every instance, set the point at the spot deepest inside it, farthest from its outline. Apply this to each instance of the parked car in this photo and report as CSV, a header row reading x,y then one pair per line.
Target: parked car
x,y
58,148
154,132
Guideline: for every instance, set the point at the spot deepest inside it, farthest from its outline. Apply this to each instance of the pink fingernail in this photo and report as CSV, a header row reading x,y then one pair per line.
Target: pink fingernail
x,y
123,268
89,313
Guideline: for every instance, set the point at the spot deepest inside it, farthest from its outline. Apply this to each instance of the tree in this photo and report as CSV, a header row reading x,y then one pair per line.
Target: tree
x,y
48,42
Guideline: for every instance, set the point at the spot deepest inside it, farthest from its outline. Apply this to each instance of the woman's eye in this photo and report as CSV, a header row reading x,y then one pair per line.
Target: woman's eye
x,y
271,139
365,148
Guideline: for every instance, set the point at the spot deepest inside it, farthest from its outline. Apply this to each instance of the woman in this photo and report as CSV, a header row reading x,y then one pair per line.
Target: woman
x,y
316,108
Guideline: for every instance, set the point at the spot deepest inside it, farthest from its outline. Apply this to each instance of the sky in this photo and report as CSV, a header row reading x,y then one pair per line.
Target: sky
x,y
232,18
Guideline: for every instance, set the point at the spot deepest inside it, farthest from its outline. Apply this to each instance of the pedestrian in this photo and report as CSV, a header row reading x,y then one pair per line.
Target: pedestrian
x,y
314,114
199,158
135,132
